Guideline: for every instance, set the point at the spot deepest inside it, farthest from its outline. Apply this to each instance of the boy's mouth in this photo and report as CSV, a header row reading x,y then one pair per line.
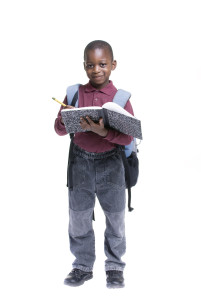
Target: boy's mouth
x,y
97,77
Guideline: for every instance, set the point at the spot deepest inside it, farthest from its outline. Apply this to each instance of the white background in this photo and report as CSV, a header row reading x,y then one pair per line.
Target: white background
x,y
157,46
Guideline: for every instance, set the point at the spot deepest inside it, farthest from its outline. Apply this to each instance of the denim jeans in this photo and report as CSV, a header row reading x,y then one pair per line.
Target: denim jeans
x,y
101,175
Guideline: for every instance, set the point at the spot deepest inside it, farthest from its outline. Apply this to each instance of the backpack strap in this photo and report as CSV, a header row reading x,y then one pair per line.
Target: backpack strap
x,y
121,97
72,93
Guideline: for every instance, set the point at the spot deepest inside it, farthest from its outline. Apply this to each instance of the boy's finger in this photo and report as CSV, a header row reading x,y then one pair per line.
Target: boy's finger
x,y
101,122
90,121
84,123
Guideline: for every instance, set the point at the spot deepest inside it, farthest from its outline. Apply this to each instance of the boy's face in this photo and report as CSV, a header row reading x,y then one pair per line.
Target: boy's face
x,y
98,66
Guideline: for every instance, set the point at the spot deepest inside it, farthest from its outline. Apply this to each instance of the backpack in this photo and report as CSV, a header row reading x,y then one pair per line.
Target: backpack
x,y
129,153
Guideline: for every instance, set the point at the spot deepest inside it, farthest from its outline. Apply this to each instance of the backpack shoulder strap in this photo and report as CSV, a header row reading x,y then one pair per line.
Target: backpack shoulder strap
x,y
71,91
121,97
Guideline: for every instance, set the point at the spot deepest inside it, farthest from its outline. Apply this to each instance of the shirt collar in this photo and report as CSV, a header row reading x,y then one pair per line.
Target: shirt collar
x,y
108,89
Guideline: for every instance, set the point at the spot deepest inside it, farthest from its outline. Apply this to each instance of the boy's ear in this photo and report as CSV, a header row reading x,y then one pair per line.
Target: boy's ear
x,y
114,65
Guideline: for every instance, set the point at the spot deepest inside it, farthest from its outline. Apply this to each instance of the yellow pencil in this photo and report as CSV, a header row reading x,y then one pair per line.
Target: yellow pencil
x,y
59,102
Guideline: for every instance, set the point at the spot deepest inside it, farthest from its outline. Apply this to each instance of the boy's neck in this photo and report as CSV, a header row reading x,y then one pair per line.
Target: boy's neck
x,y
100,87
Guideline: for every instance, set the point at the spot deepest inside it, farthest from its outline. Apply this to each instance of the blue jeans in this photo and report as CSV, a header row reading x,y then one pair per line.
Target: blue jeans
x,y
101,175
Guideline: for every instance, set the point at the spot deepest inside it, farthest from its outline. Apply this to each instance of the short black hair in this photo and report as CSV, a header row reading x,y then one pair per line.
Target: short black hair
x,y
98,44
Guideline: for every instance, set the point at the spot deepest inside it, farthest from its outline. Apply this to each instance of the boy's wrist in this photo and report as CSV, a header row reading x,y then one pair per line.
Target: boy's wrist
x,y
104,133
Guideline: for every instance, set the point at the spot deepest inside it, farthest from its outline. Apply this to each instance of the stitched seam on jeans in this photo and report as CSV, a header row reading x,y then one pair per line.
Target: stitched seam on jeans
x,y
79,211
112,213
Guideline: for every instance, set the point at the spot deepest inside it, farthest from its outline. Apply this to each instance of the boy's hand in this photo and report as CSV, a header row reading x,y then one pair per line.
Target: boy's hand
x,y
89,125
68,106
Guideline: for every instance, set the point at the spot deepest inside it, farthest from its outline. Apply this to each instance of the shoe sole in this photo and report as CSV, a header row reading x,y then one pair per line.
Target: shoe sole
x,y
74,284
115,286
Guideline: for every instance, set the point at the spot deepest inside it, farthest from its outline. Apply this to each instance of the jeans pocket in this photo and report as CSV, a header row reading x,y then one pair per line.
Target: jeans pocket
x,y
82,172
78,172
115,173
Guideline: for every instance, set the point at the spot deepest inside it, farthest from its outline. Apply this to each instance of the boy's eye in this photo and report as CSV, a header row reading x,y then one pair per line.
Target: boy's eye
x,y
102,65
89,66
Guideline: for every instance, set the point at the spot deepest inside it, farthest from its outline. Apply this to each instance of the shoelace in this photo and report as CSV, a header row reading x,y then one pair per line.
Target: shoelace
x,y
77,272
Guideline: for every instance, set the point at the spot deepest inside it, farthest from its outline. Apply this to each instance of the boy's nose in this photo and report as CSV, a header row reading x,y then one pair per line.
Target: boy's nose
x,y
96,69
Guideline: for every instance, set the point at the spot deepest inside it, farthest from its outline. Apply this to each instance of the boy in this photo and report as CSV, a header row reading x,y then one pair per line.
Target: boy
x,y
97,170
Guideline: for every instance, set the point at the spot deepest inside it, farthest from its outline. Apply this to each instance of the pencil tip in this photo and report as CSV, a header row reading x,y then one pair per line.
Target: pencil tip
x,y
53,98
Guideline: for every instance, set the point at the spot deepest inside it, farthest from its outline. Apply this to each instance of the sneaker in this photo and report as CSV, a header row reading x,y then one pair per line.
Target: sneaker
x,y
115,279
77,277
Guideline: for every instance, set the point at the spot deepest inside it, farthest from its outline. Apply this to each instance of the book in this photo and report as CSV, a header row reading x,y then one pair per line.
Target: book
x,y
114,116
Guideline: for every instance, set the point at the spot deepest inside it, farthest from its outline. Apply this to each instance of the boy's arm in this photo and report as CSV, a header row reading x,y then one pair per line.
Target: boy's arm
x,y
58,125
117,137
